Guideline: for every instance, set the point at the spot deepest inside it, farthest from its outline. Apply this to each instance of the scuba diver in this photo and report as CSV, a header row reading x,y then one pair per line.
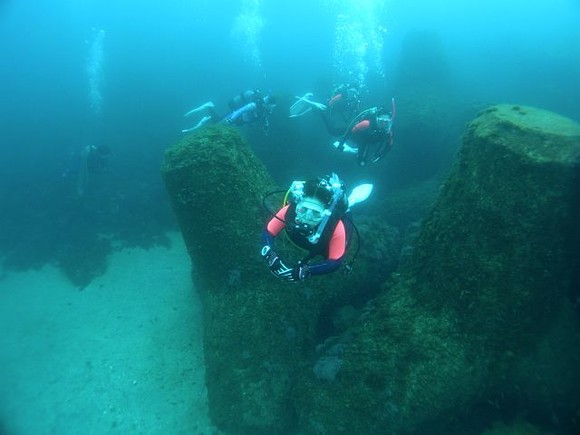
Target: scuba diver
x,y
369,135
245,108
315,219
342,106
91,160
345,101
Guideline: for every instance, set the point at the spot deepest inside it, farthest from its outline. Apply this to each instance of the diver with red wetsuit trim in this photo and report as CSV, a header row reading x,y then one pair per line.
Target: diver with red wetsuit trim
x,y
314,219
369,135
341,107
344,103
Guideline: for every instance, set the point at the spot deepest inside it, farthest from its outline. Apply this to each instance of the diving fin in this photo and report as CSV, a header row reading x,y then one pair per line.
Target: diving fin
x,y
305,105
301,106
359,194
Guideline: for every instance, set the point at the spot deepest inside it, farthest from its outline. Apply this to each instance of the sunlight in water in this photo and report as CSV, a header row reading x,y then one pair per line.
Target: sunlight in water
x,y
95,71
247,31
359,38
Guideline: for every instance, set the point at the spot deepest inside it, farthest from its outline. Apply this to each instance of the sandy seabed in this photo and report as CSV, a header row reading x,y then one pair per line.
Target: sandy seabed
x,y
124,355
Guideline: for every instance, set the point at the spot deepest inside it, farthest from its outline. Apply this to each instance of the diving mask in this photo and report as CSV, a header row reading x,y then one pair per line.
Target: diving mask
x,y
310,211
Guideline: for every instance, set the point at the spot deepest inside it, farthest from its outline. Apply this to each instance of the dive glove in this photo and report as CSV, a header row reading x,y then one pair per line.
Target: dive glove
x,y
281,270
275,264
298,273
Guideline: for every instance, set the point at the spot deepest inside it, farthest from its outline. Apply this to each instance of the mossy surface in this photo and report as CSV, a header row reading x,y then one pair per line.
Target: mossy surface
x,y
216,185
480,306
470,317
538,134
498,235
258,331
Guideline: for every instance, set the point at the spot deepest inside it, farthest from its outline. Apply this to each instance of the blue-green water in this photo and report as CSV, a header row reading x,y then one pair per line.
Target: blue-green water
x,y
121,73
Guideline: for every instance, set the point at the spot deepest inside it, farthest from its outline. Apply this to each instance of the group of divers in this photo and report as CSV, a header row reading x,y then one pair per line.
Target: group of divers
x,y
315,214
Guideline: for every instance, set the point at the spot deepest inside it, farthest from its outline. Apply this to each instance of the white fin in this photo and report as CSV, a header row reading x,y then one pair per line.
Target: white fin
x,y
359,194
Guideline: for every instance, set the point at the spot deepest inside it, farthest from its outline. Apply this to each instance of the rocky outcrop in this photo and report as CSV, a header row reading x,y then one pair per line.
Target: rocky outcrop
x,y
258,331
478,318
481,314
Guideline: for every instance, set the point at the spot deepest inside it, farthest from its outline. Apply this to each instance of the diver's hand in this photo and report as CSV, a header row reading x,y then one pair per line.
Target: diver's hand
x,y
298,273
281,270
344,147
275,264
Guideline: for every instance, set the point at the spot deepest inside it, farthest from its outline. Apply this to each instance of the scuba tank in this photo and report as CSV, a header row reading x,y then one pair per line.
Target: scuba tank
x,y
243,98
337,196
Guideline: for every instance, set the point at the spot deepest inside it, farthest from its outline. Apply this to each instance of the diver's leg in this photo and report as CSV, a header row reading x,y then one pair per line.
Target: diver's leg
x,y
314,104
333,130
203,121
204,106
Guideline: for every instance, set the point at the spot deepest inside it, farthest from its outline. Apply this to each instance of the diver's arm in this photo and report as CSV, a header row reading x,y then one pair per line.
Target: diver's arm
x,y
333,130
267,238
325,267
237,114
274,227
358,124
277,267
340,144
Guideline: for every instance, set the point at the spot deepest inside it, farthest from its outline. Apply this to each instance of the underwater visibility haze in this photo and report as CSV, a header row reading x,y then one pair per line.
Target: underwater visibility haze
x,y
458,252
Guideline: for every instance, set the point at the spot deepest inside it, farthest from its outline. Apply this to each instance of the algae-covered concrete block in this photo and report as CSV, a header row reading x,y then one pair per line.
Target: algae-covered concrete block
x,y
481,315
258,331
497,244
216,186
